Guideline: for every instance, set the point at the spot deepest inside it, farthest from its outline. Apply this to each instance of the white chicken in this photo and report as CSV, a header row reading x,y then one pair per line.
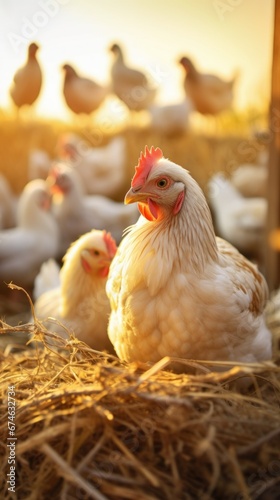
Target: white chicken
x,y
130,85
77,213
208,93
8,204
82,95
240,220
251,180
174,288
27,80
80,302
171,119
102,169
35,238
39,164
47,279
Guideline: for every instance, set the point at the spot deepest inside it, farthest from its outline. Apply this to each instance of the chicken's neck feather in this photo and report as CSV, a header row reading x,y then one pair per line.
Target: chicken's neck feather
x,y
185,242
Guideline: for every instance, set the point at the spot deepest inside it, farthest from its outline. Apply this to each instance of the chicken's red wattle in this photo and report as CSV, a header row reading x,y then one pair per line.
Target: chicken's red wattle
x,y
149,210
103,273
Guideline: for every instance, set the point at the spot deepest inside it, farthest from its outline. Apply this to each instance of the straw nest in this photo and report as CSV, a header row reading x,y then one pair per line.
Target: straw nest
x,y
91,427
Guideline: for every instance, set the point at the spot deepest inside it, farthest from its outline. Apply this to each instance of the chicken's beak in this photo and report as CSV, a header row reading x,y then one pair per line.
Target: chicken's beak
x,y
106,261
134,196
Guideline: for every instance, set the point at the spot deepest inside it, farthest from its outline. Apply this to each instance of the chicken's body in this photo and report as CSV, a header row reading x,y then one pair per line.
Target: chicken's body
x,y
172,119
174,288
208,93
80,302
27,80
129,84
82,95
251,180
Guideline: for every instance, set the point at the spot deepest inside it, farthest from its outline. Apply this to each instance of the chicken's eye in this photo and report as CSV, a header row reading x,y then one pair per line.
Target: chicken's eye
x,y
162,183
95,252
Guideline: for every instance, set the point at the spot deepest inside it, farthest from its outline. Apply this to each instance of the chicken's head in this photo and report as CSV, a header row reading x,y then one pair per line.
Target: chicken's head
x,y
187,65
32,49
35,194
70,146
157,186
115,48
60,179
35,200
69,71
96,249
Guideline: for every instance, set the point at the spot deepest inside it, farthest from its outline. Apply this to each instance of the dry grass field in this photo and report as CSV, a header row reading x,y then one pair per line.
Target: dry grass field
x,y
91,427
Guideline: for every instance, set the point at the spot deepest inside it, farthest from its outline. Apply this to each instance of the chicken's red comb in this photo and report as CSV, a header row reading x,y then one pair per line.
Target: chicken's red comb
x,y
110,243
57,168
66,148
145,163
54,171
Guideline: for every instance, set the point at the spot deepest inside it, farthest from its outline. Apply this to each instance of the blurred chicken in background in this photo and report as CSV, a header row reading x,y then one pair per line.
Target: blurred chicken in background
x,y
82,95
27,81
34,239
39,164
130,85
239,220
208,93
101,169
251,179
172,119
77,213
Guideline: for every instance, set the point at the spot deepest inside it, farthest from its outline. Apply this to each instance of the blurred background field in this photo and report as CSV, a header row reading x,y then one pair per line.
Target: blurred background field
x,y
207,147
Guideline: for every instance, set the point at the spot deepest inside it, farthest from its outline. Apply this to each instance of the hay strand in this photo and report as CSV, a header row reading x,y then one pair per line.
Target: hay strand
x,y
71,475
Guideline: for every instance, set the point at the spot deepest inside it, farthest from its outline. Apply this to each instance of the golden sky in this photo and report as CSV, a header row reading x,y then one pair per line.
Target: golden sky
x,y
221,36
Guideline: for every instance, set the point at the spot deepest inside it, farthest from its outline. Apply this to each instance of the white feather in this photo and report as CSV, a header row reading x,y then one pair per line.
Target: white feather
x,y
47,279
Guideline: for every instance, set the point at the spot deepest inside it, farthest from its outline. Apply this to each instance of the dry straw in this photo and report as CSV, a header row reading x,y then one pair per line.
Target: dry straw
x,y
91,427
